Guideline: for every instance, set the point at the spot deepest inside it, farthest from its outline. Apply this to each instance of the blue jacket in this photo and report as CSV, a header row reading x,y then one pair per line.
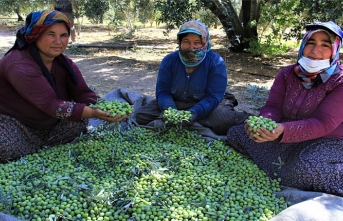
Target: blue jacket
x,y
205,86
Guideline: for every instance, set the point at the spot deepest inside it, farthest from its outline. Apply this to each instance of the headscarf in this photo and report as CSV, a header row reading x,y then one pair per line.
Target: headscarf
x,y
35,24
335,33
193,57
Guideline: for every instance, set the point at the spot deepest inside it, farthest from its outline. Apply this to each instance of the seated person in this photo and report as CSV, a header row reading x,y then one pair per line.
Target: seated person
x,y
305,149
194,78
43,97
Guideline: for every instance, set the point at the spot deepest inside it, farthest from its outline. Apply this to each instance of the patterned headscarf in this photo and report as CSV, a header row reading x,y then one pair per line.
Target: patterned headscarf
x,y
194,57
335,34
35,24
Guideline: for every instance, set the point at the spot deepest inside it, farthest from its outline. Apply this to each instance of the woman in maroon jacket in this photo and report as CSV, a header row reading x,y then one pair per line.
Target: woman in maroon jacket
x,y
43,96
305,150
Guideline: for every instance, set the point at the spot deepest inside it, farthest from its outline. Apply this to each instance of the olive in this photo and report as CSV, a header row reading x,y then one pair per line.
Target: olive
x,y
138,174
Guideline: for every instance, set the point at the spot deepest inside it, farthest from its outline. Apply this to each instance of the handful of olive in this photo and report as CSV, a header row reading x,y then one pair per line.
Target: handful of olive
x,y
258,122
113,107
175,116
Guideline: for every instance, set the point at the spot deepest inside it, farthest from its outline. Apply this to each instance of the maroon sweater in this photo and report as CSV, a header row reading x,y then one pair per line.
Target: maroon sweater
x,y
26,94
306,113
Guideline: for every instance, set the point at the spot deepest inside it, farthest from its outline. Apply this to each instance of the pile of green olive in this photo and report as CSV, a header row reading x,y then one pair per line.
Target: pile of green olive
x,y
174,116
138,175
256,122
113,107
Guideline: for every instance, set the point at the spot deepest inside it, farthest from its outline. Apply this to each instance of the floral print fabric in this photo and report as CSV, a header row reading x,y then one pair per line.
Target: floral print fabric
x,y
17,140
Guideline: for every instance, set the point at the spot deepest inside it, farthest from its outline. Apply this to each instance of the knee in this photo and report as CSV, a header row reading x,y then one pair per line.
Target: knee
x,y
139,118
143,118
235,118
235,130
238,139
296,174
5,151
8,153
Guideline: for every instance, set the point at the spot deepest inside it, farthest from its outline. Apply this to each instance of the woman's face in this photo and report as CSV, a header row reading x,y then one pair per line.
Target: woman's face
x,y
53,41
318,47
191,41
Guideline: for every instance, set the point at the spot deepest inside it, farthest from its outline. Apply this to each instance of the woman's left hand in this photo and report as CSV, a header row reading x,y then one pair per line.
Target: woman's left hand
x,y
263,135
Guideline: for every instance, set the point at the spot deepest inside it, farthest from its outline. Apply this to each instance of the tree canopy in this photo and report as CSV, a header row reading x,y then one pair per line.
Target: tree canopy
x,y
242,20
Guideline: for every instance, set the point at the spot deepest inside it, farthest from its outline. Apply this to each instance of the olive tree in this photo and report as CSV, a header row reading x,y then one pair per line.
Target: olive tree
x,y
95,10
20,7
239,18
309,11
238,26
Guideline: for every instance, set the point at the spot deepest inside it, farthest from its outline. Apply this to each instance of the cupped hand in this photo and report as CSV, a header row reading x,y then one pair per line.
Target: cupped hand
x,y
189,122
262,134
103,115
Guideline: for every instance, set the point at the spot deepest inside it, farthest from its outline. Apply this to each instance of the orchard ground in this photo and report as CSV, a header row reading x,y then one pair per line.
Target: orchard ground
x,y
113,66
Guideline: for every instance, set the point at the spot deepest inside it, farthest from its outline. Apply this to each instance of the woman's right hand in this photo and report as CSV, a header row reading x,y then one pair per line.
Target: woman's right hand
x,y
102,115
262,134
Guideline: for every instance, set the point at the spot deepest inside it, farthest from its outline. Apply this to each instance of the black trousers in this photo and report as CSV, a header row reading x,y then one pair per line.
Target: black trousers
x,y
219,120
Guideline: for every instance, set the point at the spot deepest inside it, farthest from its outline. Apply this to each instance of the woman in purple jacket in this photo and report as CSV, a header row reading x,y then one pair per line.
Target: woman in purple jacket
x,y
43,96
194,78
305,150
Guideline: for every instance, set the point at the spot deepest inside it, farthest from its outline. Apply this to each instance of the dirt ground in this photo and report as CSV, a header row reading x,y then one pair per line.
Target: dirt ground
x,y
107,61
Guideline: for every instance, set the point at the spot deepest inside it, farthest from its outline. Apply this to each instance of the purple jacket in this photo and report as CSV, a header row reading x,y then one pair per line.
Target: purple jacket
x,y
26,95
306,113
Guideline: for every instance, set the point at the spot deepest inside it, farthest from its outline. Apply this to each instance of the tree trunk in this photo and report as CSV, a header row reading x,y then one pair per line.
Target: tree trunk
x,y
250,13
17,11
239,29
231,23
